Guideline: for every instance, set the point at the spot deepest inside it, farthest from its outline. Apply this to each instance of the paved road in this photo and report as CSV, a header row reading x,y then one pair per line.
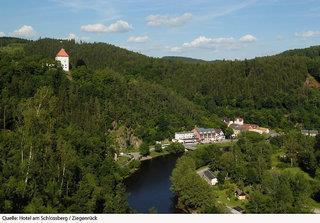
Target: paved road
x,y
189,146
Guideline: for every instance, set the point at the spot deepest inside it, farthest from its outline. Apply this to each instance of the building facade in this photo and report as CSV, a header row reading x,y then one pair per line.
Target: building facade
x,y
239,121
184,137
239,126
207,135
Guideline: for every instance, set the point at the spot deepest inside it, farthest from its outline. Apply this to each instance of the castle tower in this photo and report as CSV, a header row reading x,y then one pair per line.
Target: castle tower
x,y
63,57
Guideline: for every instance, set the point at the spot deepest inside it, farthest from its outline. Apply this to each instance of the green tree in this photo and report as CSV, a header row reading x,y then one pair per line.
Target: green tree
x,y
281,193
221,177
158,148
144,150
228,132
292,148
175,148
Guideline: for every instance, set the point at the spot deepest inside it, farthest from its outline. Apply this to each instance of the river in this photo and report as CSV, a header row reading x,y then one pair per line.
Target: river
x,y
149,187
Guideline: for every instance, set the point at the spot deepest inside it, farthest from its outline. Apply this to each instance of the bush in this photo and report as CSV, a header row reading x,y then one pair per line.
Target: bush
x,y
175,148
144,150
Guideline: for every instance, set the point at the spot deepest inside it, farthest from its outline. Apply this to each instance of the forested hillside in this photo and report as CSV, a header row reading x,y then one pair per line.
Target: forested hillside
x,y
268,91
183,59
56,141
313,55
52,160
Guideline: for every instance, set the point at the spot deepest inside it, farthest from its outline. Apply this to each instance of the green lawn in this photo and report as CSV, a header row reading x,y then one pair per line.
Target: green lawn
x,y
226,196
122,160
293,170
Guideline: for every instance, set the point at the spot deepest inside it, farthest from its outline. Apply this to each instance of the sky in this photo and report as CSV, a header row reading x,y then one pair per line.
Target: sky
x,y
203,29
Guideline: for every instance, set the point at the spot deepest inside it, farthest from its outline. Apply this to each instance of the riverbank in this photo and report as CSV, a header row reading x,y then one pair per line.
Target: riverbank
x,y
136,167
154,154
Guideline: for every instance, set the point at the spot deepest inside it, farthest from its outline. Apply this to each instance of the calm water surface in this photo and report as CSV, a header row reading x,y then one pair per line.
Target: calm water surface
x,y
150,186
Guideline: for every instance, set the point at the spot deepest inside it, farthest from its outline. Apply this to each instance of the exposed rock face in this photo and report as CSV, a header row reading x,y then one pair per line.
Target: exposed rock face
x,y
135,141
312,82
125,138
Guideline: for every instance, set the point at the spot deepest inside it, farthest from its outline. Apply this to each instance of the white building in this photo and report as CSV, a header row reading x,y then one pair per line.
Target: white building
x,y
312,133
184,137
220,135
238,121
63,58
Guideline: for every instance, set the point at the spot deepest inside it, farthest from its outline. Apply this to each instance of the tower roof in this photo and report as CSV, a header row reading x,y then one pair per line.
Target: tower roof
x,y
62,53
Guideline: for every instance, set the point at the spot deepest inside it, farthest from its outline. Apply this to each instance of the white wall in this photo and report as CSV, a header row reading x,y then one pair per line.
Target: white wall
x,y
238,121
64,62
184,135
214,181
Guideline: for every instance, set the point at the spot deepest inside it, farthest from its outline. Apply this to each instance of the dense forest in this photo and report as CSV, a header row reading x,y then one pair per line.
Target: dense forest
x,y
57,138
269,91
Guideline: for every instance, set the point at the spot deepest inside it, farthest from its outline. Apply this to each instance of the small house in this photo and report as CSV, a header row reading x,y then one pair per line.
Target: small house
x,y
240,194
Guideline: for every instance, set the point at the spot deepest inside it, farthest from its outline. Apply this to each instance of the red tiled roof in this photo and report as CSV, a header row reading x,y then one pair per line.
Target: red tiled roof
x,y
249,126
62,53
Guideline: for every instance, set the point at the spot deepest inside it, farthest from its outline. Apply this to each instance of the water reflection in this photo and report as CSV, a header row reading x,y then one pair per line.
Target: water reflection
x,y
149,187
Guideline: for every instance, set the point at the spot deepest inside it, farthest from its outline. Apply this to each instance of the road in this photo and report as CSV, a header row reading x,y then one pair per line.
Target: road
x,y
193,146
189,146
